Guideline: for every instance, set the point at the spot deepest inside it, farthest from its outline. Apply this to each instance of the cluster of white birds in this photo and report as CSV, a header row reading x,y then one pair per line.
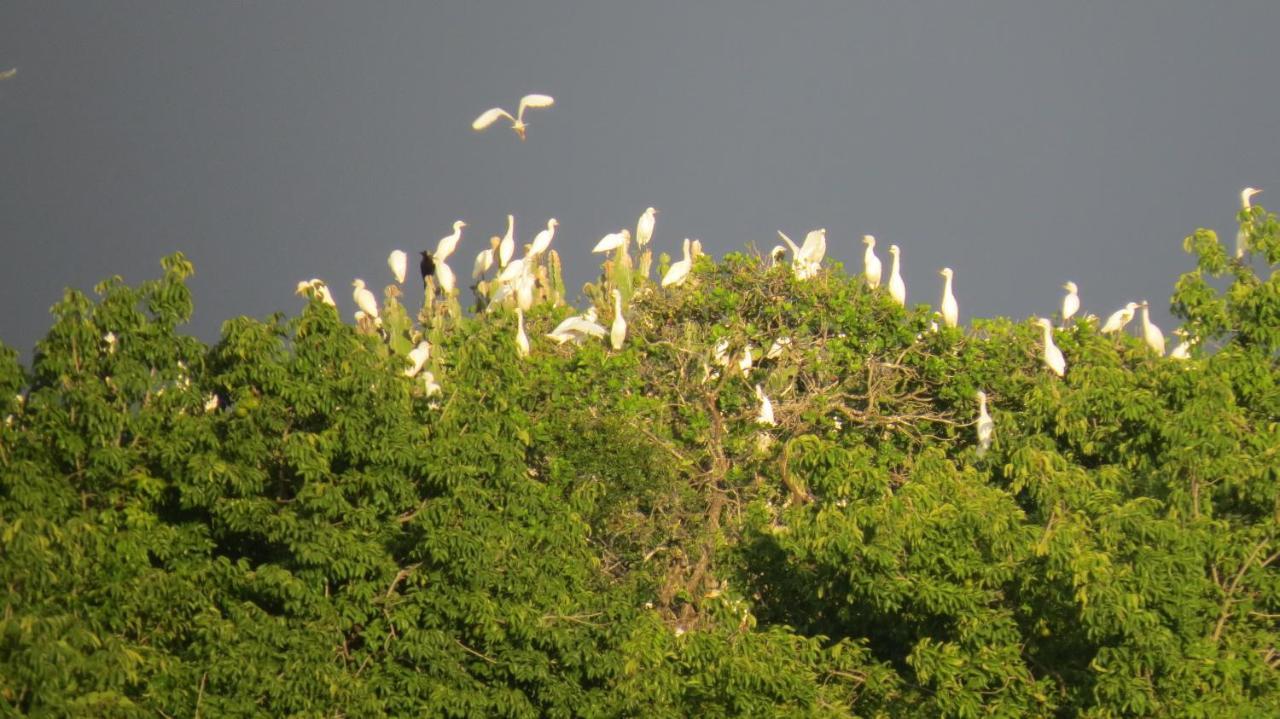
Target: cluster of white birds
x,y
515,280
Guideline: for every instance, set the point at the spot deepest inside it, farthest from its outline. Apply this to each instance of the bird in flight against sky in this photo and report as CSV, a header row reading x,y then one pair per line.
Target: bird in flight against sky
x,y
488,117
8,73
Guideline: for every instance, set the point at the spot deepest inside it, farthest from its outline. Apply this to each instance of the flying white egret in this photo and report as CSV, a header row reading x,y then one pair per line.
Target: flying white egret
x,y
871,266
765,415
418,356
522,339
1118,319
644,227
577,327
488,117
484,260
897,288
679,270
1053,358
612,241
1245,196
1070,303
986,425
542,240
1152,334
449,243
950,310
618,332
398,261
365,300
507,247
445,276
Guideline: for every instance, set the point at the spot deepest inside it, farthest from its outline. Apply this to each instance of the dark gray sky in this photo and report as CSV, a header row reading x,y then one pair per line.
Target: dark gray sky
x,y
1023,144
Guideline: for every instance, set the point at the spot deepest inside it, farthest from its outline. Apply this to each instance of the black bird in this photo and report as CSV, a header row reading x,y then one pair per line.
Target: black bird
x,y
427,266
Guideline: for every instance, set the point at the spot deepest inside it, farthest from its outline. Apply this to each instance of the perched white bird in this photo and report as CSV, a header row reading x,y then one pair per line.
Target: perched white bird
x,y
418,356
577,328
612,241
618,332
775,349
1118,319
513,270
398,261
1241,239
950,310
488,117
986,426
871,266
720,353
765,415
507,247
542,240
522,339
211,403
776,255
1053,358
745,362
897,288
525,284
814,248
110,339
1151,333
484,260
365,299
1070,303
445,276
1183,350
429,384
679,270
449,243
644,227
319,288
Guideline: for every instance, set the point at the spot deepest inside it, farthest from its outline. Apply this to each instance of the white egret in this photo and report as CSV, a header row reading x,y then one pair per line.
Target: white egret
x,y
110,339
449,243
871,266
1152,334
445,276
618,332
1070,303
986,425
814,248
418,356
746,361
950,310
513,270
542,240
897,288
365,300
398,261
795,249
1241,240
1118,319
319,288
429,384
210,403
612,241
775,349
679,271
765,415
720,353
522,339
776,255
1183,349
644,227
488,117
484,260
577,327
524,291
507,247
1053,358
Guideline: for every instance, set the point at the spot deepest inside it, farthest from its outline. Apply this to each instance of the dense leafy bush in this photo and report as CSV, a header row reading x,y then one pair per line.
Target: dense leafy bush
x,y
286,523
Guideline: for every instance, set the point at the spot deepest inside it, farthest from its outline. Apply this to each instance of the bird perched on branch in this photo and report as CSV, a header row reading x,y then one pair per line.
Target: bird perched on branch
x,y
1071,302
488,117
871,266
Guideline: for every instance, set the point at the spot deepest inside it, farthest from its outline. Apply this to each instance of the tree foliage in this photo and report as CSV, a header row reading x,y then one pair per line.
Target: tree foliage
x,y
286,524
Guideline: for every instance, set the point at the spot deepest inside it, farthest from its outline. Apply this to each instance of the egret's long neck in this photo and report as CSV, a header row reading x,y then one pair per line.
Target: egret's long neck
x,y
895,264
946,288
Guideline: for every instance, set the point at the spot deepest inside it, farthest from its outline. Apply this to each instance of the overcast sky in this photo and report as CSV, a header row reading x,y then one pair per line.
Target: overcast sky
x,y
1021,143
